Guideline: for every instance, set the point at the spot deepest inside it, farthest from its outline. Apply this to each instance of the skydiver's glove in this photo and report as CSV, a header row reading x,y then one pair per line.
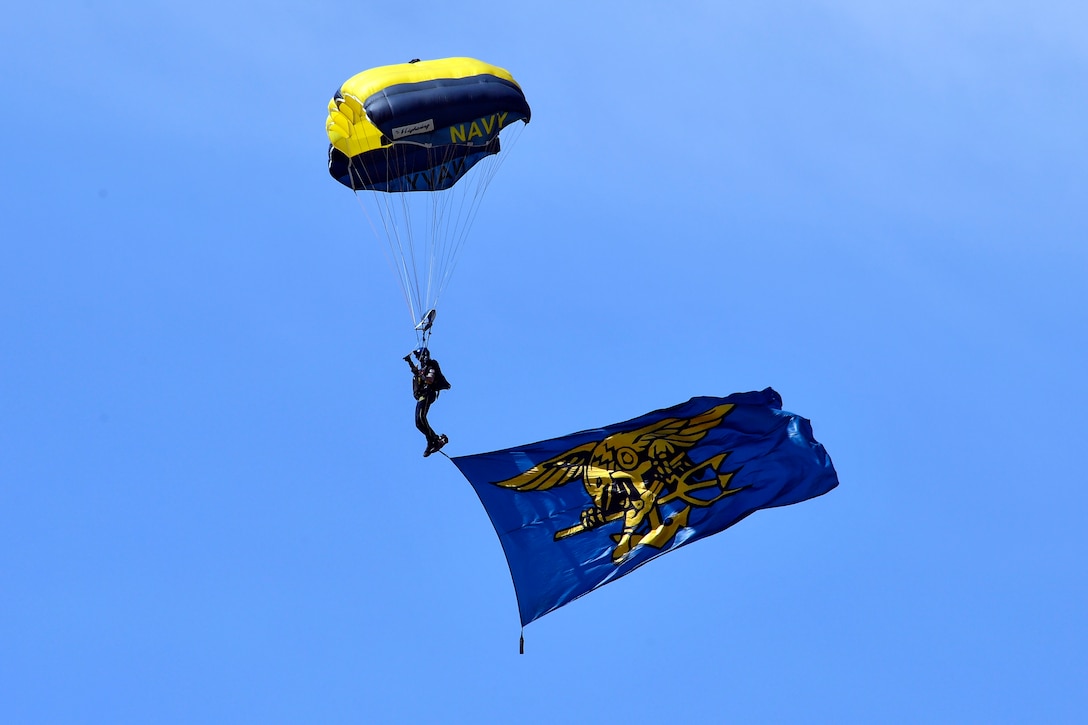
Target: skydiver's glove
x,y
408,358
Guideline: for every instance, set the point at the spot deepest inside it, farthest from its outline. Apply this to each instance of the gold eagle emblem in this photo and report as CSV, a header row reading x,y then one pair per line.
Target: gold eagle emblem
x,y
630,475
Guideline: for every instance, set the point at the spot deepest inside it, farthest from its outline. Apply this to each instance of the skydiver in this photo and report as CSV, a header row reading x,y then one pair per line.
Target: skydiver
x,y
427,382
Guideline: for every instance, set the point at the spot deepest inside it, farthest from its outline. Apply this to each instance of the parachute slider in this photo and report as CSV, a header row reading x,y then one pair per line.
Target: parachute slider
x,y
427,321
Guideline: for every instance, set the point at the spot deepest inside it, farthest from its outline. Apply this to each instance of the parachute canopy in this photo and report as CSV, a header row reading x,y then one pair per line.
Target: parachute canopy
x,y
405,137
419,126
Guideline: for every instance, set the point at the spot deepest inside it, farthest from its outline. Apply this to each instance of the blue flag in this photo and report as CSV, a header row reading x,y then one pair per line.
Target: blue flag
x,y
577,512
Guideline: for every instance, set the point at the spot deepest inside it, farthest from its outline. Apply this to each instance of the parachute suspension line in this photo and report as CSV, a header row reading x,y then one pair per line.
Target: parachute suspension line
x,y
407,208
438,248
458,225
444,221
476,181
388,248
437,203
399,241
406,242
430,250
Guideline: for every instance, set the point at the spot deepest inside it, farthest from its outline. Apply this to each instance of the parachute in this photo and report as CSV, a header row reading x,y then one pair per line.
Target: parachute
x,y
419,143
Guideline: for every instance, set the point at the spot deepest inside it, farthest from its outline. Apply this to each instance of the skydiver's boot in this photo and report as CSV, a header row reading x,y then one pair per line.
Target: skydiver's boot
x,y
435,445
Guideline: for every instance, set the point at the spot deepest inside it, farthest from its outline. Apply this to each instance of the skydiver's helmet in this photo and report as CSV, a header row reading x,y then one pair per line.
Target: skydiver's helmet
x,y
422,355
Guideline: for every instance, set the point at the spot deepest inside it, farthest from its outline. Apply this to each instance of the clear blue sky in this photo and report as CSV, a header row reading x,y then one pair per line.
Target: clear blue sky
x,y
213,506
